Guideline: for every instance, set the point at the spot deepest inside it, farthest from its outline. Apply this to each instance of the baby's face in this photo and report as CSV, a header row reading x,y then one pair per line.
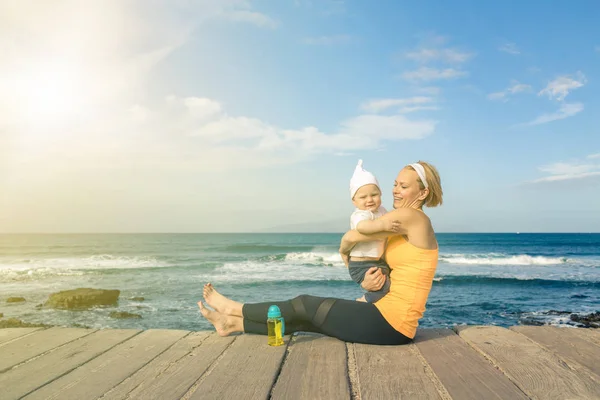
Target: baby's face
x,y
367,197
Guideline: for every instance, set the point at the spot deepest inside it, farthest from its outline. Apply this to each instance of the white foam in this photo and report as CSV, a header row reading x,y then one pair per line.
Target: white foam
x,y
314,258
499,259
269,272
101,261
562,320
564,272
28,269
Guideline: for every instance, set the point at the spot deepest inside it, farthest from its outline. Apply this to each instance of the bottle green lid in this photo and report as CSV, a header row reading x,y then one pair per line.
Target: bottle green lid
x,y
274,312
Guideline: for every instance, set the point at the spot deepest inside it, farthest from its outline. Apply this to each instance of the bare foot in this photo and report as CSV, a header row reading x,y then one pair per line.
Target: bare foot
x,y
222,323
221,303
362,299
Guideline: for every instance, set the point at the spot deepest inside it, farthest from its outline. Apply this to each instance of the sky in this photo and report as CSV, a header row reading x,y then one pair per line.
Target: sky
x,y
244,116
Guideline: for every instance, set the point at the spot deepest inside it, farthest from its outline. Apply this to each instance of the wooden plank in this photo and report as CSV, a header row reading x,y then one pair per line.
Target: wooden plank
x,y
171,374
566,345
8,334
98,376
246,370
589,334
27,377
315,368
393,372
38,343
464,372
538,372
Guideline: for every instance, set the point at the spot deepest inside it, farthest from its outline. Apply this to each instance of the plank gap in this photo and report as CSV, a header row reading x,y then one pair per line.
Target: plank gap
x,y
288,348
353,379
430,373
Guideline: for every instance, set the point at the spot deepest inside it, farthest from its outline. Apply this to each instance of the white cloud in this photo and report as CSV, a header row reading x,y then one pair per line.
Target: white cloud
x,y
562,171
519,87
429,90
515,88
562,168
432,74
560,87
328,40
497,96
566,110
510,48
226,129
252,17
201,107
597,155
364,131
450,56
174,137
407,110
377,105
567,177
431,55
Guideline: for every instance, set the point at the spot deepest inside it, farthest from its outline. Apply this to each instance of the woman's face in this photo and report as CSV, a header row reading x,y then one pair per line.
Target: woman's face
x,y
407,190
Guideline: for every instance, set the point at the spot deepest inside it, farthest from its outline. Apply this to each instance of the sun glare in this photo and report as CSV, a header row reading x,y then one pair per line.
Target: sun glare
x,y
51,92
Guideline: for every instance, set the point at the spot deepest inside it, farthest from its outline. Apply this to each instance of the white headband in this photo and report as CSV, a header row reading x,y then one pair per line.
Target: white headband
x,y
421,172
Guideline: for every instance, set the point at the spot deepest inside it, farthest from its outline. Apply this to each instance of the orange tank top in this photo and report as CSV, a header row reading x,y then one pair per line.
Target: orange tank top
x,y
411,276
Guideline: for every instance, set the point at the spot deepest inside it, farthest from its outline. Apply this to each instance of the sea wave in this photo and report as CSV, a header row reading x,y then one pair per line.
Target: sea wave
x,y
242,272
66,264
502,259
314,258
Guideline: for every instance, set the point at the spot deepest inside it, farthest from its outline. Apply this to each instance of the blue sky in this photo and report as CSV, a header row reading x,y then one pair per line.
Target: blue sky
x,y
248,115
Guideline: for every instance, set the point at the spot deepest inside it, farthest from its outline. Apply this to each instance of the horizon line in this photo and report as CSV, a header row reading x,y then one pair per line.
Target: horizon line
x,y
281,232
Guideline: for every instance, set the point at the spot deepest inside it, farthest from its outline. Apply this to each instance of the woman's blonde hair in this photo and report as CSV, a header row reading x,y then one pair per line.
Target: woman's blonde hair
x,y
434,198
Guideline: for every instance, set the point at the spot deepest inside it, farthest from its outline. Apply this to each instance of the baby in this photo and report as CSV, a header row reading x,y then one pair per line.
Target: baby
x,y
366,196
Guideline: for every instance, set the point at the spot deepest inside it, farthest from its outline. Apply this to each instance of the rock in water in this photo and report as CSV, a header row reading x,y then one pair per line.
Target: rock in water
x,y
124,315
15,300
17,323
82,299
589,321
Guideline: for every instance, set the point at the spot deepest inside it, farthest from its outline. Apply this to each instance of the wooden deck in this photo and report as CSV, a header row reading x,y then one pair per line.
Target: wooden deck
x,y
475,362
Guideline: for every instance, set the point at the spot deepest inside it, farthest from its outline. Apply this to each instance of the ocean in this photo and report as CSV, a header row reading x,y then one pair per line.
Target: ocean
x,y
492,279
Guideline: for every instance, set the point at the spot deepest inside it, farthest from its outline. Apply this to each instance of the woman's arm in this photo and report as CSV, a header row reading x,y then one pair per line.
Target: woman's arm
x,y
403,217
402,220
369,227
352,237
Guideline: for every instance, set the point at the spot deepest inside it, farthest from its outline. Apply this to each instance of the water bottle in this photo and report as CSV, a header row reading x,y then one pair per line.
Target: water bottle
x,y
275,326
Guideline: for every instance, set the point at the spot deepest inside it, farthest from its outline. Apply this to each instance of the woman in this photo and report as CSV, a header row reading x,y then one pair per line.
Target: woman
x,y
412,255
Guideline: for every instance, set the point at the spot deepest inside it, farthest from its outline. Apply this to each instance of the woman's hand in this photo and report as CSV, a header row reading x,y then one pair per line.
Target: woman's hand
x,y
374,280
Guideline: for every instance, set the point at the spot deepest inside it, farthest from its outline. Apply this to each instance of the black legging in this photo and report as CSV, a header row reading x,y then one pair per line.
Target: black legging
x,y
347,320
